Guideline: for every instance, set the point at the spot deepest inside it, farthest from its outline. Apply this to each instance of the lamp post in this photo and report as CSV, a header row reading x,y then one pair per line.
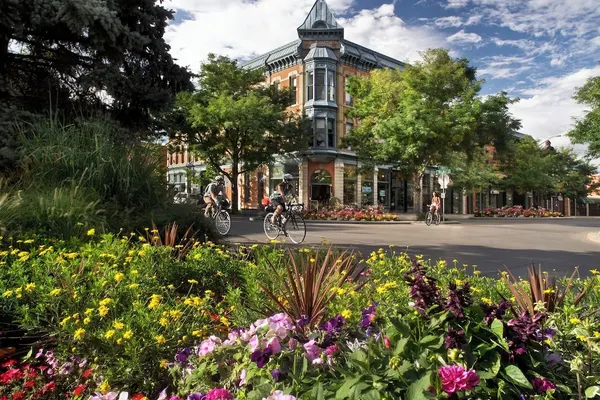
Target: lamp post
x,y
190,167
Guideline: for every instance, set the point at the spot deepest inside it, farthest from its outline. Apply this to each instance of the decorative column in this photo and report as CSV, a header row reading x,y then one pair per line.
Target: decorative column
x,y
375,191
338,179
358,189
303,183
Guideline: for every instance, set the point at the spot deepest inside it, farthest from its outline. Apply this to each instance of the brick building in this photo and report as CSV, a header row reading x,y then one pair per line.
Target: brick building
x,y
316,67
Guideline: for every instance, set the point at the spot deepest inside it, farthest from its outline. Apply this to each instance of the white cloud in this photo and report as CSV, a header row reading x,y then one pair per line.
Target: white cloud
x,y
522,44
474,20
595,42
456,3
549,108
496,72
448,22
243,29
462,37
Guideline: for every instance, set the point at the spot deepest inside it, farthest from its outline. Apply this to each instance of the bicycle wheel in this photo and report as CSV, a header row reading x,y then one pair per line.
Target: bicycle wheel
x,y
223,222
428,218
438,219
295,228
272,231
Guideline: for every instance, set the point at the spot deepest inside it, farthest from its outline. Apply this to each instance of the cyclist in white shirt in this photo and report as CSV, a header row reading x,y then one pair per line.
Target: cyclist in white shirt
x,y
213,190
284,191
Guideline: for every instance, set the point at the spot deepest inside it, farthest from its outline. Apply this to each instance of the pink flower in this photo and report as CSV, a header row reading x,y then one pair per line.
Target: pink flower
x,y
219,394
386,342
292,343
542,385
455,378
274,345
312,350
208,345
254,343
278,395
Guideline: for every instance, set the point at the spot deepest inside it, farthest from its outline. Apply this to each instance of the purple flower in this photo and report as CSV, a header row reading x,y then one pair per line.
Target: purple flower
x,y
542,385
302,322
334,325
183,355
261,357
197,396
553,359
292,343
312,351
66,369
274,345
522,330
368,316
454,339
455,378
331,350
208,345
277,375
458,299
423,289
495,312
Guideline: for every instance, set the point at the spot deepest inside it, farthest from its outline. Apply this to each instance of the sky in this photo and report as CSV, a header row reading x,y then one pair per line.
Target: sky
x,y
537,50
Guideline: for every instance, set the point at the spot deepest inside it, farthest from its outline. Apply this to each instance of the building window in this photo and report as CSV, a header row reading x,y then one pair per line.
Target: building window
x,y
277,84
348,98
350,180
330,133
293,91
320,133
320,85
349,127
309,86
331,85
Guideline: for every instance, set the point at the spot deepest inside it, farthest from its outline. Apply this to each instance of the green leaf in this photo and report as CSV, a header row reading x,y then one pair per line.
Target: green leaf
x,y
514,375
416,391
592,392
317,392
432,342
400,346
489,367
344,391
402,327
438,320
498,328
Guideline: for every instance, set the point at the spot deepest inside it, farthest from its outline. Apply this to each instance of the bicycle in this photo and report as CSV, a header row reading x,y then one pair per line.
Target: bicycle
x,y
292,225
432,217
221,217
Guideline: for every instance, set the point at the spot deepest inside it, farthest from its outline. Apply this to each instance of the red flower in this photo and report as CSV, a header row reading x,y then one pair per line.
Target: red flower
x,y
10,376
20,395
78,390
49,387
86,374
3,398
29,385
138,396
9,363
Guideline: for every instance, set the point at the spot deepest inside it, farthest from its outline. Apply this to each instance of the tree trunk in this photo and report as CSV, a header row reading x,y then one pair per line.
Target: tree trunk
x,y
235,171
417,180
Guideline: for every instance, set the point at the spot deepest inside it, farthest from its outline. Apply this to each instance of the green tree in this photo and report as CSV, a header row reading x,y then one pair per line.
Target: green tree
x,y
574,175
587,129
420,116
233,118
84,56
530,168
474,173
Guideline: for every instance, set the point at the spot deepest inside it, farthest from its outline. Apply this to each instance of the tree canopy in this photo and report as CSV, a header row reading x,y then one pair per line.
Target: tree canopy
x,y
235,119
420,116
474,173
80,56
587,129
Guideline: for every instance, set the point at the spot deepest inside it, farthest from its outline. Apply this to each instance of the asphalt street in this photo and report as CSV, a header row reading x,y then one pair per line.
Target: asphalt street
x,y
493,245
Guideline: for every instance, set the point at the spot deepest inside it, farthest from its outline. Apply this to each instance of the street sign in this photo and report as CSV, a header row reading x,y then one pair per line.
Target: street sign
x,y
443,195
443,170
444,180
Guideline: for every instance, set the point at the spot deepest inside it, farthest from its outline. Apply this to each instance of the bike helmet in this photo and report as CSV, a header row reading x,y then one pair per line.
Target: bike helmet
x,y
219,179
288,177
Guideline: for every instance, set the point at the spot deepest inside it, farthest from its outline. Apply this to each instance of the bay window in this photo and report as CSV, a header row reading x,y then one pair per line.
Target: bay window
x,y
320,85
320,88
324,133
331,85
309,86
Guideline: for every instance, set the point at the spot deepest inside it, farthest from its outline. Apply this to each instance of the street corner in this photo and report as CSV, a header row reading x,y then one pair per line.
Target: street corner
x,y
594,237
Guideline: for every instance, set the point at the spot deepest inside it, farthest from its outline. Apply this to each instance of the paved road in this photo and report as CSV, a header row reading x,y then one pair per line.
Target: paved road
x,y
490,244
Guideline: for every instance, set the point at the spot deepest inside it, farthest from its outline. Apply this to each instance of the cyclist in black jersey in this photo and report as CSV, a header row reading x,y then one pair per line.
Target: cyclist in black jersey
x,y
283,192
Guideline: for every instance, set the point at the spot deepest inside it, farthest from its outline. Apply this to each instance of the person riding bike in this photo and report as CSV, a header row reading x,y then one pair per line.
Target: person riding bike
x,y
282,193
435,203
214,189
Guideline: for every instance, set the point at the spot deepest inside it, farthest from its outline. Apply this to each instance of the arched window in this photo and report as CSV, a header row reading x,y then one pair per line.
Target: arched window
x,y
320,25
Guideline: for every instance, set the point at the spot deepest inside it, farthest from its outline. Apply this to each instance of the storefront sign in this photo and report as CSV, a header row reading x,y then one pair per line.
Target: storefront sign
x,y
367,189
382,193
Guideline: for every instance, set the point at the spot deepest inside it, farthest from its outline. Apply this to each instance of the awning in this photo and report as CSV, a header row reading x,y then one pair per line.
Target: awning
x,y
588,200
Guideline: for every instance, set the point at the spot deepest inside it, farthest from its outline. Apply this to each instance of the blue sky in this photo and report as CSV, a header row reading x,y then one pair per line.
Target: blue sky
x,y
537,50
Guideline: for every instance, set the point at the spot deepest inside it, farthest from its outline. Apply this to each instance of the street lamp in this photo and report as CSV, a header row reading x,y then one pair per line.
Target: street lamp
x,y
546,142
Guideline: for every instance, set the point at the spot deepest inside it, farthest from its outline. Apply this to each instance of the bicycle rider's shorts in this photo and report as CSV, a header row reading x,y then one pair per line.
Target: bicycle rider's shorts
x,y
278,201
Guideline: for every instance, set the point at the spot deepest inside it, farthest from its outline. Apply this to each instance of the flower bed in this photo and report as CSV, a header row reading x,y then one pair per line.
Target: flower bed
x,y
396,328
516,211
349,214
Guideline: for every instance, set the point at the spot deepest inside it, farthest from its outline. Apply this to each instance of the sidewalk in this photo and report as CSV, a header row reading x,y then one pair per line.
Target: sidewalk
x,y
594,237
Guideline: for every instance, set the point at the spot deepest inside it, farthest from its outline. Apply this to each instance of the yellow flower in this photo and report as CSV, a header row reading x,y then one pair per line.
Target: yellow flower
x,y
597,334
595,272
105,301
574,321
582,338
102,310
29,287
91,232
549,291
119,276
55,292
89,311
128,335
104,388
119,341
163,322
154,302
193,281
346,314
175,314
86,321
133,286
224,321
109,334
70,256
163,363
65,321
198,333
133,272
118,325
486,300
160,339
79,334
341,291
8,293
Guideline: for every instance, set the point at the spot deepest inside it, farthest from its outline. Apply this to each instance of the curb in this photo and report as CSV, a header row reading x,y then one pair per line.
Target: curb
x,y
594,237
324,222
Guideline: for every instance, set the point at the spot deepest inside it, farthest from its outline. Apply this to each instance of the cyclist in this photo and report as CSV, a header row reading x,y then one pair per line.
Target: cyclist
x,y
435,203
214,189
282,193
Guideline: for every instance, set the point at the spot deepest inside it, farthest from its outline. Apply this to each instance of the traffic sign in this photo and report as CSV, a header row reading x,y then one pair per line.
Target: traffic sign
x,y
443,170
443,195
444,180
